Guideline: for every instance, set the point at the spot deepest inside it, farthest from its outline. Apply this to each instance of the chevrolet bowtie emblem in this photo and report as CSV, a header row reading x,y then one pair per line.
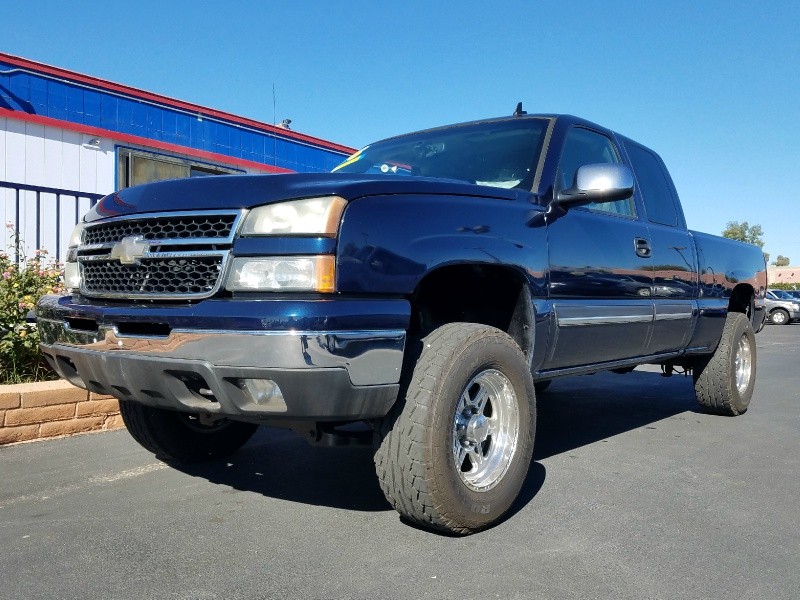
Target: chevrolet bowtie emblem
x,y
130,249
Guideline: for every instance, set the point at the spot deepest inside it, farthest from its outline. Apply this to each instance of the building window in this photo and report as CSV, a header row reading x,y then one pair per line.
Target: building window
x,y
135,167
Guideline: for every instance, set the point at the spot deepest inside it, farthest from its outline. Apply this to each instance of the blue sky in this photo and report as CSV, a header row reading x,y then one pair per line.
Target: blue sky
x,y
713,86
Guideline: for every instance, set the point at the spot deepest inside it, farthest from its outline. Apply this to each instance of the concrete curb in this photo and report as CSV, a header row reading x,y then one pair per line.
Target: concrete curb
x,y
46,409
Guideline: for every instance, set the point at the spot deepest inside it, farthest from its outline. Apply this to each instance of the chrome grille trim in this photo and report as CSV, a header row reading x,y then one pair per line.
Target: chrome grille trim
x,y
151,255
134,221
173,274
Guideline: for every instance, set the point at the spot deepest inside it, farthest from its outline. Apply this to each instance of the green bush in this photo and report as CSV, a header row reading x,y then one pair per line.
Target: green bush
x,y
23,280
784,286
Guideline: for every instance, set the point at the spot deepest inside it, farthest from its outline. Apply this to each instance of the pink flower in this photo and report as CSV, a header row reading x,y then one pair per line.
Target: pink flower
x,y
6,275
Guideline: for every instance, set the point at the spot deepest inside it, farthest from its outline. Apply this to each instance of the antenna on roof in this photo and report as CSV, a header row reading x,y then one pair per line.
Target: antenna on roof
x,y
519,110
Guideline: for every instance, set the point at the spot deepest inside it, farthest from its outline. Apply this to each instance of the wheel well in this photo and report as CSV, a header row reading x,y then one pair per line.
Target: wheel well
x,y
741,299
486,294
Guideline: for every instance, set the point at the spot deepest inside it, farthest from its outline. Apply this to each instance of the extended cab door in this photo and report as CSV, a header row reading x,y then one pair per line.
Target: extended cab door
x,y
675,276
600,267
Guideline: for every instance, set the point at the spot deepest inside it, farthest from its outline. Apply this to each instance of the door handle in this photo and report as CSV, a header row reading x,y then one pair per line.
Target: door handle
x,y
642,247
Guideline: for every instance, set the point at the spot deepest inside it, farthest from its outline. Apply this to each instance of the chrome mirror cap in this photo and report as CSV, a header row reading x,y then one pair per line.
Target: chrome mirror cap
x,y
604,178
604,182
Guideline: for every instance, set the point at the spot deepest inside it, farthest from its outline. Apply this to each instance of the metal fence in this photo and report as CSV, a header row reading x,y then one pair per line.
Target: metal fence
x,y
43,216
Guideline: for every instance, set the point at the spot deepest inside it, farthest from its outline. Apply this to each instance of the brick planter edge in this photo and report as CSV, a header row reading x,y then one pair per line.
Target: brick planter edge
x,y
47,409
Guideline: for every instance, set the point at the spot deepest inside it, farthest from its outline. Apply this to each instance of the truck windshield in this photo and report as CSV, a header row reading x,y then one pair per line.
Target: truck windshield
x,y
496,153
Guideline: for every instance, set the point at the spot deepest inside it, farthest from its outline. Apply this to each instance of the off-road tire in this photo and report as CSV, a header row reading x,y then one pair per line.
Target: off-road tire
x,y
418,442
724,380
181,437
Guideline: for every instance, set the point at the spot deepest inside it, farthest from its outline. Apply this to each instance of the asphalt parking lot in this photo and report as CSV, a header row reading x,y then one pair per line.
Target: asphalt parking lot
x,y
634,493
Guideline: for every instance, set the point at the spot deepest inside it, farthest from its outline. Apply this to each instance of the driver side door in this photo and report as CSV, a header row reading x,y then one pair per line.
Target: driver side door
x,y
600,280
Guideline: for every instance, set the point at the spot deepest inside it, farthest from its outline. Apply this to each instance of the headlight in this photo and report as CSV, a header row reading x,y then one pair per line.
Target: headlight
x,y
76,237
72,271
72,276
310,216
283,273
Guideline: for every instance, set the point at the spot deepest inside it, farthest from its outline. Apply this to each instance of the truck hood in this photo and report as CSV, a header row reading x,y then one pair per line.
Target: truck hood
x,y
247,191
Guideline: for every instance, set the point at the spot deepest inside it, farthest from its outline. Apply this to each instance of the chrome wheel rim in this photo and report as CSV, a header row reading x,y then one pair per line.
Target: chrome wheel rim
x,y
743,364
778,318
485,430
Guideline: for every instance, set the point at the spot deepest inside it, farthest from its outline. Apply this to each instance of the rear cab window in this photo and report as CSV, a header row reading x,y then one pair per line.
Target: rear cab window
x,y
655,186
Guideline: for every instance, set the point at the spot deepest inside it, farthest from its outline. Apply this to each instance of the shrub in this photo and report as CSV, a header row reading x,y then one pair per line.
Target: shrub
x,y
783,286
23,280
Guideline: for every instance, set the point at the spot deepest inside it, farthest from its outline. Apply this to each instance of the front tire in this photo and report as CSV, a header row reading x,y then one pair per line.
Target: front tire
x,y
454,452
724,380
779,317
183,437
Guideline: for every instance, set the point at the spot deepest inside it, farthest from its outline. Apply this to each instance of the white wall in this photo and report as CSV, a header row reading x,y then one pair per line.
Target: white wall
x,y
51,157
57,158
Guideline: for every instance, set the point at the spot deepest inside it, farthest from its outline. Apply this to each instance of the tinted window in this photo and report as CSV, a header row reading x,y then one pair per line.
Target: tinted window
x,y
585,147
780,295
653,185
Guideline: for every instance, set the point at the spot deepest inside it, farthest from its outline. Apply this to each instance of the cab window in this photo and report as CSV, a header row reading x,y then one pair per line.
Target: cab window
x,y
658,201
586,147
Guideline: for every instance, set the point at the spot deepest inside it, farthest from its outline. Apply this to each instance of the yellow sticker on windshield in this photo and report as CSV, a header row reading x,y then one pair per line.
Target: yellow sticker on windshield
x,y
353,158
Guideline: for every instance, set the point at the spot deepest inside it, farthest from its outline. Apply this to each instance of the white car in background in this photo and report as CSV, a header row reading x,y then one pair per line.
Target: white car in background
x,y
782,307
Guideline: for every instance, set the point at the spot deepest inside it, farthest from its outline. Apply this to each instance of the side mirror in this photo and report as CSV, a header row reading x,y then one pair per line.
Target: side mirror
x,y
605,182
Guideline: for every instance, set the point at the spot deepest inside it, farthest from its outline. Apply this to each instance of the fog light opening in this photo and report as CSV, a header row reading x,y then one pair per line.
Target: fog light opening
x,y
264,392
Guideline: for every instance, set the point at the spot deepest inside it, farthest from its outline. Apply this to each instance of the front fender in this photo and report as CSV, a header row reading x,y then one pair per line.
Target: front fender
x,y
388,244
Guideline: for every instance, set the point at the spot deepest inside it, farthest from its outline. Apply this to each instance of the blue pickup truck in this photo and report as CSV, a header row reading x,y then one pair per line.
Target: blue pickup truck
x,y
416,299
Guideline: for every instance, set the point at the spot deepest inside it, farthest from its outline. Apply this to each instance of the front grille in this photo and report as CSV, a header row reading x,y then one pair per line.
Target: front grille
x,y
161,278
185,258
185,227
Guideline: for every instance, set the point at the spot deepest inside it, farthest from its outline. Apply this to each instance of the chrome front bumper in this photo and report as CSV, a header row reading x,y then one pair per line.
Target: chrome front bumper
x,y
321,375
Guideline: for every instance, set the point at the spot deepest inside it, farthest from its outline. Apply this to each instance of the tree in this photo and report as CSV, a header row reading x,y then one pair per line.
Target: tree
x,y
781,261
744,232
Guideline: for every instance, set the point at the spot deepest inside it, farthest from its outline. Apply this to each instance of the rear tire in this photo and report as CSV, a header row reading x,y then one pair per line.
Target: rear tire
x,y
183,437
455,450
724,380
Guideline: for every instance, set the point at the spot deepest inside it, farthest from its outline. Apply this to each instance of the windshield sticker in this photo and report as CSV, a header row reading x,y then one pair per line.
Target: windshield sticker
x,y
392,167
353,159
